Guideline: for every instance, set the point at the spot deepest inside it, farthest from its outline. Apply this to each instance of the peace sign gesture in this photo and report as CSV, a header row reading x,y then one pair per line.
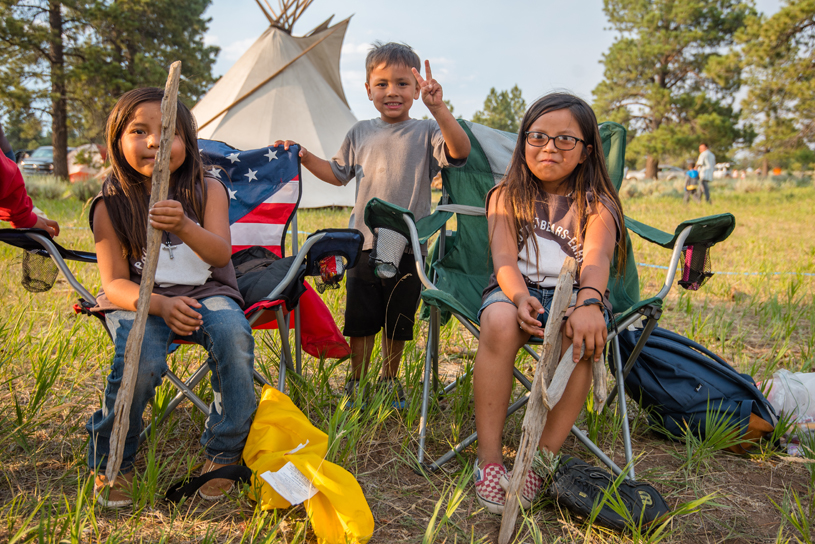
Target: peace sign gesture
x,y
431,90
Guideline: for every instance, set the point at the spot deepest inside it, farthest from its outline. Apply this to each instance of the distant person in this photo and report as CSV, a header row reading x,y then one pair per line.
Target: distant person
x,y
393,158
705,165
692,185
5,145
15,204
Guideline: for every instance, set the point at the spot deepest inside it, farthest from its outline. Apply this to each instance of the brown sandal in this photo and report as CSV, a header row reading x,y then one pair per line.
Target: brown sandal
x,y
118,496
215,490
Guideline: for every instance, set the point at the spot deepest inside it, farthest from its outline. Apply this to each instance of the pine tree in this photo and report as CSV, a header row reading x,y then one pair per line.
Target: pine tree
x,y
778,59
503,110
668,76
70,60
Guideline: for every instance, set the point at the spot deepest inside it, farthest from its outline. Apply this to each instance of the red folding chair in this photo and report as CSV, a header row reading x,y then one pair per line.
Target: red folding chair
x,y
265,189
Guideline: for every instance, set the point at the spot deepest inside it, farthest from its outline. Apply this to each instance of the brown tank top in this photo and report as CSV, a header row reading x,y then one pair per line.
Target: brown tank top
x,y
185,274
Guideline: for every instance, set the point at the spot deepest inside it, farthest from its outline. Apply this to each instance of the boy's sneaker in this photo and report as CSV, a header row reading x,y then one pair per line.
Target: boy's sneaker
x,y
579,486
393,389
119,495
533,484
488,489
356,396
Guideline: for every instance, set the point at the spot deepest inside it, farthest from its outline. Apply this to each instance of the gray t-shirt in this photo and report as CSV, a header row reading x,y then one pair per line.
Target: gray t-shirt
x,y
393,162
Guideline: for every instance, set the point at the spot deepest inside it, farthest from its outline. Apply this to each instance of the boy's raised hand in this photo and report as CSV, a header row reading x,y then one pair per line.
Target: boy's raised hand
x,y
431,90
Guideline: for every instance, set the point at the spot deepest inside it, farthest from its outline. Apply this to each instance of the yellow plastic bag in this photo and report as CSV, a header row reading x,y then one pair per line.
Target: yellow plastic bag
x,y
339,512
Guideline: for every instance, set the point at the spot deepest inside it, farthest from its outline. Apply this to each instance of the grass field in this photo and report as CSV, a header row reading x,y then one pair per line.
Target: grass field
x,y
53,365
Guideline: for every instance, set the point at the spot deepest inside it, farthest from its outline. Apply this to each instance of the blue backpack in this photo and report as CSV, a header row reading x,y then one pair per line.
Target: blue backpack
x,y
677,379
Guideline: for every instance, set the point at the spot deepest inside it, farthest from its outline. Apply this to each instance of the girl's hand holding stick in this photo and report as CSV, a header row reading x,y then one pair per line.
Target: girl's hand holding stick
x,y
158,193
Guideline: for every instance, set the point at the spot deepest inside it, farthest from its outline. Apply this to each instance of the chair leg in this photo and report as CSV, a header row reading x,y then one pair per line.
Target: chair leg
x,y
458,448
425,394
259,378
650,325
597,451
615,344
433,347
184,390
285,348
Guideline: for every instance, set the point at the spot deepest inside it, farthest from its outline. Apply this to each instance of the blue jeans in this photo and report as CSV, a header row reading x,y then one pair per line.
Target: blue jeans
x,y
227,337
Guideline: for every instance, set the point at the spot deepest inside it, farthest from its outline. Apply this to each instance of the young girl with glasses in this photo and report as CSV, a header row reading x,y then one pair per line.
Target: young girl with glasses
x,y
556,200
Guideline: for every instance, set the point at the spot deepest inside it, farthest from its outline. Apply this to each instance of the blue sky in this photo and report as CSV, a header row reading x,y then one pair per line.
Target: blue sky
x,y
472,45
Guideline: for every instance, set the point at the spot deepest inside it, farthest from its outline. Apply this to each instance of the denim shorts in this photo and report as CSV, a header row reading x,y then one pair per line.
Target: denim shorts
x,y
544,296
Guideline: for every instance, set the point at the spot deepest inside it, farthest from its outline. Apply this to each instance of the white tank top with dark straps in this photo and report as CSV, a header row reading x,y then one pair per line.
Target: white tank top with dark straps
x,y
556,231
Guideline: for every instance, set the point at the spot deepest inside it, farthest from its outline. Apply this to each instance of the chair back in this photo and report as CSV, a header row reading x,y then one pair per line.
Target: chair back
x,y
464,268
264,191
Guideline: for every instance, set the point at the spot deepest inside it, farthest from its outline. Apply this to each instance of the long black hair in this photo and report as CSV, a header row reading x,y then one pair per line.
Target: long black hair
x,y
124,190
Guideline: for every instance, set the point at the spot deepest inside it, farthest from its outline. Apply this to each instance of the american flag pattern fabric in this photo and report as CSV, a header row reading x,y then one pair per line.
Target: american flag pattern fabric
x,y
264,191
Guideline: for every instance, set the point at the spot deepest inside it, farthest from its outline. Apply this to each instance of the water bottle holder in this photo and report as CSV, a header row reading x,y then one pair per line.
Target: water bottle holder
x,y
696,269
388,249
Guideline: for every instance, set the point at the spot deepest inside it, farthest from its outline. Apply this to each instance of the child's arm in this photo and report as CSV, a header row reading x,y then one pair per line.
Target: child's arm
x,y
321,168
586,323
114,270
212,242
504,247
456,140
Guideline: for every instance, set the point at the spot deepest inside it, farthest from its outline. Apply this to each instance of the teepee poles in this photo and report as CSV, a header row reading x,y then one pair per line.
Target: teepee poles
x,y
158,192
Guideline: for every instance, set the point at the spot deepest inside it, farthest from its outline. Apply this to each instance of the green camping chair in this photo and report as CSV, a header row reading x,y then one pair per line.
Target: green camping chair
x,y
459,265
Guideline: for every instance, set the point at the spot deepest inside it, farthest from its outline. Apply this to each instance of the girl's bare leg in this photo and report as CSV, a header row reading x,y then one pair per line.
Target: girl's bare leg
x,y
501,338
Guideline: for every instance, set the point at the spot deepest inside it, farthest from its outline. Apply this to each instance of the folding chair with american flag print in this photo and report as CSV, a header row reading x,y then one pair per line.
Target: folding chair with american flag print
x,y
264,190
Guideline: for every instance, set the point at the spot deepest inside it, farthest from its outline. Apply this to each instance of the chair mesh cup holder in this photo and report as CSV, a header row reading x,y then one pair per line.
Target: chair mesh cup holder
x,y
696,269
39,273
389,246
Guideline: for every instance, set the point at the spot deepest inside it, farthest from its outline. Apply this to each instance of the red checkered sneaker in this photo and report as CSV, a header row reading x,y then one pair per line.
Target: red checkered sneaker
x,y
487,487
531,488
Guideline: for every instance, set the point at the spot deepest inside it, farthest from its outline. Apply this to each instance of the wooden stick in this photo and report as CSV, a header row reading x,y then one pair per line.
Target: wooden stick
x,y
536,412
158,191
600,379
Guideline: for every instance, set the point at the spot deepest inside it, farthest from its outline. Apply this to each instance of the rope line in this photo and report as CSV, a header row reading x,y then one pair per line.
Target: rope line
x,y
739,273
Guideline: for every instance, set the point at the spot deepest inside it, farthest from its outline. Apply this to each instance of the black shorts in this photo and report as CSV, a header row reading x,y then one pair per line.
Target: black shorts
x,y
372,303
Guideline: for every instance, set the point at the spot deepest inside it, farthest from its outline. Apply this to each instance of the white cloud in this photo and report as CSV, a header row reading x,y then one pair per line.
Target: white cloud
x,y
234,50
354,49
210,39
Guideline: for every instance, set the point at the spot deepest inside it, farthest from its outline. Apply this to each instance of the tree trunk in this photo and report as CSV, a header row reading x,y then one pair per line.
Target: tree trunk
x,y
651,167
59,102
765,167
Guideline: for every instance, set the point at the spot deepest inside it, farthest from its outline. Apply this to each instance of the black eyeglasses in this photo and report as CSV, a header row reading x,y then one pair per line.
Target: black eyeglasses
x,y
563,142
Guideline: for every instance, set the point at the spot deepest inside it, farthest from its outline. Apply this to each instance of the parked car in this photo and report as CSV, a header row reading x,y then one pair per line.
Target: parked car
x,y
40,162
667,173
722,170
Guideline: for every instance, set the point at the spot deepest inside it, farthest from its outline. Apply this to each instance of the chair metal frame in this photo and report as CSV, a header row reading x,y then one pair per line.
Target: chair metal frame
x,y
649,312
185,388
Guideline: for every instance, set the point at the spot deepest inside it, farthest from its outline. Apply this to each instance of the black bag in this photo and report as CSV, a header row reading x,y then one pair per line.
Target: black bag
x,y
579,486
679,380
259,271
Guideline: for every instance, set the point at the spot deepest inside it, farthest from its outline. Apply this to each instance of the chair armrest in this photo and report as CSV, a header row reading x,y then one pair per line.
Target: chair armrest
x,y
708,230
381,214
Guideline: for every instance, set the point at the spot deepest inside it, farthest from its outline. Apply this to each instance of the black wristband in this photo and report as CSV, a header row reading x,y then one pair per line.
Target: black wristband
x,y
602,297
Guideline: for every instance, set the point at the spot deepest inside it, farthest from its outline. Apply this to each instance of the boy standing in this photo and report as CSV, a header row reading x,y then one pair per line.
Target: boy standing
x,y
393,158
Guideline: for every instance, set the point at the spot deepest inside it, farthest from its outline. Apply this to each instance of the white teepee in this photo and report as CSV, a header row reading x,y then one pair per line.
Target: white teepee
x,y
287,88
